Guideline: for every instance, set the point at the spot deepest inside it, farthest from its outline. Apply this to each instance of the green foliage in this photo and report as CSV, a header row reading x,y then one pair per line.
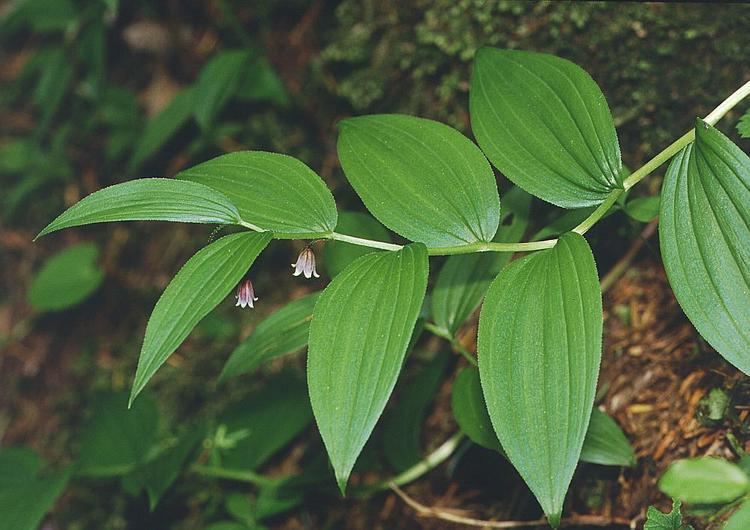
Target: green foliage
x,y
655,520
704,232
545,124
284,332
540,334
402,425
66,279
218,81
605,443
422,179
704,481
339,254
152,199
117,439
464,279
272,191
743,126
163,126
740,520
203,282
643,209
27,492
264,422
361,328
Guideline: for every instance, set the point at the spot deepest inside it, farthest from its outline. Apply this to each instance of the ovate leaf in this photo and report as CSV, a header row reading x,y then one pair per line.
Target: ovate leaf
x,y
151,199
339,254
544,123
359,334
740,520
201,284
272,191
420,178
163,126
704,230
66,279
116,439
540,337
285,331
26,495
704,481
464,278
605,442
217,82
655,520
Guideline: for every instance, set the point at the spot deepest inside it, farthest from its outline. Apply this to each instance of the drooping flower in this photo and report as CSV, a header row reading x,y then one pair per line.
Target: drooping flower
x,y
245,294
305,264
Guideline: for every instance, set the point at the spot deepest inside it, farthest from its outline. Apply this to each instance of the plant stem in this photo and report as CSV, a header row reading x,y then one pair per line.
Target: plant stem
x,y
234,474
427,464
634,178
445,334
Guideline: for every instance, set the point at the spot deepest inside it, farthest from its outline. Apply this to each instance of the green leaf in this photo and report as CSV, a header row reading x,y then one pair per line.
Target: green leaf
x,y
544,123
338,254
116,439
67,278
655,520
743,126
25,494
470,410
159,473
273,191
704,230
359,334
151,199
540,340
564,223
704,481
265,422
204,281
740,520
605,443
464,279
420,178
402,425
643,209
284,332
260,83
218,81
163,126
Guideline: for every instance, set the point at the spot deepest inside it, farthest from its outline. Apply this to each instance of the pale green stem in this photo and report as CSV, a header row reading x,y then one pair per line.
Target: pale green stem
x,y
633,179
445,334
235,474
424,466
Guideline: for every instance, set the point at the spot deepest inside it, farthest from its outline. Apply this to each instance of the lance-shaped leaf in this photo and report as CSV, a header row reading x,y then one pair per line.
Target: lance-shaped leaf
x,y
285,331
218,81
359,334
605,442
545,124
420,178
540,339
464,278
204,281
704,230
272,191
152,199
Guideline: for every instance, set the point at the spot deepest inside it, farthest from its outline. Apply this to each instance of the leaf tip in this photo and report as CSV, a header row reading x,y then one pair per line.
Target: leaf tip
x,y
341,481
554,519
